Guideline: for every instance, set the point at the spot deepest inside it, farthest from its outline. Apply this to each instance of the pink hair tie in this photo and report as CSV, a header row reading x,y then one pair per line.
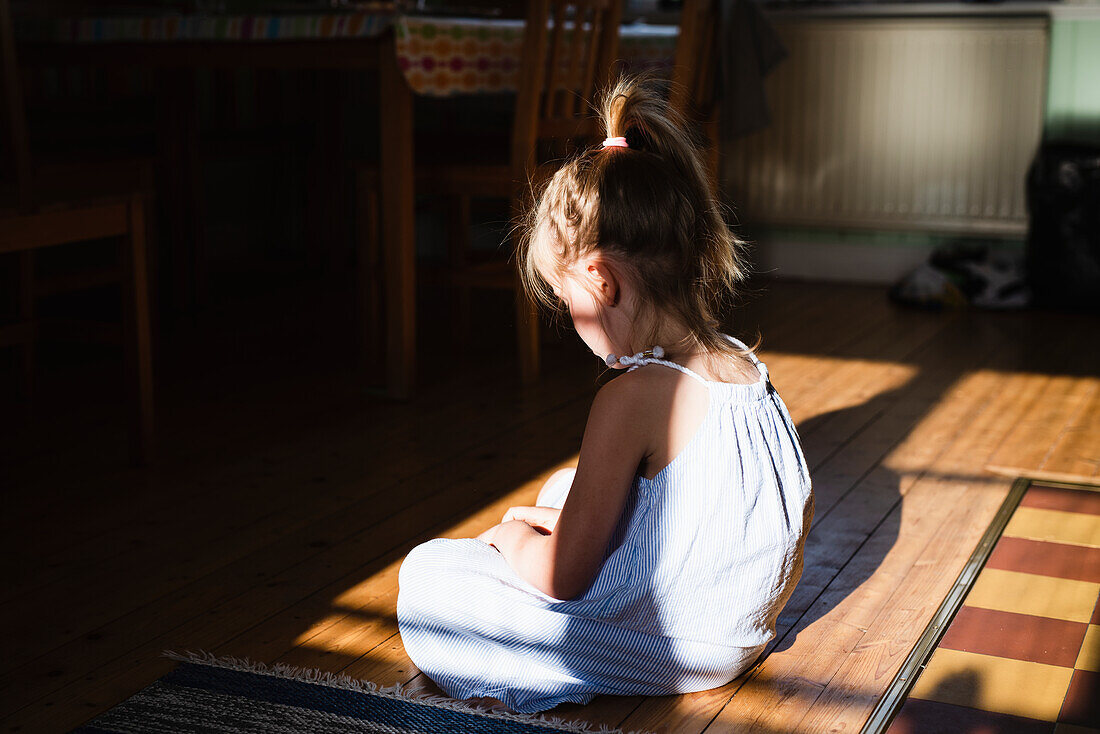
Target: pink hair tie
x,y
615,143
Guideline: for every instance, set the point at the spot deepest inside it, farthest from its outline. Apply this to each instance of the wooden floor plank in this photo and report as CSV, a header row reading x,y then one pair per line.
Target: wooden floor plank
x,y
237,491
845,398
864,675
375,435
1077,451
138,578
412,459
899,410
313,559
1022,453
128,623
862,484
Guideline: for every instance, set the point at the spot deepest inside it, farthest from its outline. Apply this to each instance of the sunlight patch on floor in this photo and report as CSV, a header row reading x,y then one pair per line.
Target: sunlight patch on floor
x,y
349,634
367,590
363,609
803,390
919,450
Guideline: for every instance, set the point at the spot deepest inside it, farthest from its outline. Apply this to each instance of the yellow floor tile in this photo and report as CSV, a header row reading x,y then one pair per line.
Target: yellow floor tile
x,y
1055,526
1000,685
1041,596
1089,657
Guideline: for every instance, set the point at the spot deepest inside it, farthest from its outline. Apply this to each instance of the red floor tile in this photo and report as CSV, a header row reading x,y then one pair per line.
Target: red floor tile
x,y
1017,636
1060,498
1046,559
1082,704
932,717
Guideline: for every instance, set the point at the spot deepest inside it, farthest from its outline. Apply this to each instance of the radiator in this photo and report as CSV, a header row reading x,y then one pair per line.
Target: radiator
x,y
916,124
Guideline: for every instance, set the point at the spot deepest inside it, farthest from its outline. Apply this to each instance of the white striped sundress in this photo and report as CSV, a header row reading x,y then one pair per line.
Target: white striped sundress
x,y
703,559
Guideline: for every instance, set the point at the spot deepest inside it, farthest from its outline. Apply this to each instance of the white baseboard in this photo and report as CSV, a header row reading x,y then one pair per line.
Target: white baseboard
x,y
786,256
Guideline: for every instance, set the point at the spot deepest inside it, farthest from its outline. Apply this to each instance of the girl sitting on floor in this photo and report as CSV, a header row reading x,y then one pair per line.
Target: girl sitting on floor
x,y
660,564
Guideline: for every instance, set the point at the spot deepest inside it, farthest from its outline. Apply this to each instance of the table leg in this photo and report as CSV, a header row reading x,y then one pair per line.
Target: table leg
x,y
138,343
179,181
397,194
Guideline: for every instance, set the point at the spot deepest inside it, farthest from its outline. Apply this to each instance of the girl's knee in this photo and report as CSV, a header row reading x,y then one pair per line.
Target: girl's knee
x,y
433,574
419,573
556,488
413,565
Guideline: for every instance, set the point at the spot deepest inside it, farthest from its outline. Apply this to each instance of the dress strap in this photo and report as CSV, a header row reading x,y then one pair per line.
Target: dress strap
x,y
743,346
760,366
653,360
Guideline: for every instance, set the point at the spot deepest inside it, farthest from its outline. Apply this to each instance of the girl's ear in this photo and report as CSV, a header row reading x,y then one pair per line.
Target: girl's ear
x,y
603,281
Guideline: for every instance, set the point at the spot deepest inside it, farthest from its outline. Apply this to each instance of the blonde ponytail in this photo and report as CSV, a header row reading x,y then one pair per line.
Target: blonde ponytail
x,y
650,207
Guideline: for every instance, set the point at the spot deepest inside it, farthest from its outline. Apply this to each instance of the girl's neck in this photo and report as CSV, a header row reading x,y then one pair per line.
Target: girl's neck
x,y
676,340
681,348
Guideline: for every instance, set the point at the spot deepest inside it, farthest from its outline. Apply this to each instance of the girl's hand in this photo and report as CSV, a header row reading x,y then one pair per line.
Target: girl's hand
x,y
487,536
542,519
506,531
563,563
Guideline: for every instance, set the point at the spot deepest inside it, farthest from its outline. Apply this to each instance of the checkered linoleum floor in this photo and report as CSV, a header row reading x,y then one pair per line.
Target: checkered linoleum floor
x,y
1023,652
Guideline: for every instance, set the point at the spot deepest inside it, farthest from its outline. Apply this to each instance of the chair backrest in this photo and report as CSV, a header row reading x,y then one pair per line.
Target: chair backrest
x,y
16,158
693,75
693,80
569,51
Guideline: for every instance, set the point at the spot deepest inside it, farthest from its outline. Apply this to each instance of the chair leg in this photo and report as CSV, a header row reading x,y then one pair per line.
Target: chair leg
x,y
139,351
150,207
26,315
368,267
527,335
179,179
397,169
458,244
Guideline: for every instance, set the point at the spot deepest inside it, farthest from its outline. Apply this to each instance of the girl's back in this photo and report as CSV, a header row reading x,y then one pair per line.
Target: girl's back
x,y
715,538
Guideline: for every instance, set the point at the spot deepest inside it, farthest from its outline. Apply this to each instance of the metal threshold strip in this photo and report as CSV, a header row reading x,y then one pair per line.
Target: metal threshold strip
x,y
896,694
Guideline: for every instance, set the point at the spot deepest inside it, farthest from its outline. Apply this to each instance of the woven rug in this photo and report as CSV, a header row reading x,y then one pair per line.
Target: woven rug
x,y
208,694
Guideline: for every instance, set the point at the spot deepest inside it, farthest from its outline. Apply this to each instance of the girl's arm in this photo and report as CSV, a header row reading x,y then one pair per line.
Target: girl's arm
x,y
564,563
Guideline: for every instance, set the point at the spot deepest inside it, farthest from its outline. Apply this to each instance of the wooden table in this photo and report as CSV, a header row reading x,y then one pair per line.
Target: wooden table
x,y
400,49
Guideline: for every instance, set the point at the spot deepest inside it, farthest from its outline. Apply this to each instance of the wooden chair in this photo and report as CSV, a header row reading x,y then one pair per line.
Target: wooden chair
x,y
692,91
569,50
37,212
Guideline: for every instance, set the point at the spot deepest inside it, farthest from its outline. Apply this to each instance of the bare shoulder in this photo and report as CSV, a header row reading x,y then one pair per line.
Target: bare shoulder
x,y
644,394
635,396
665,408
625,416
641,384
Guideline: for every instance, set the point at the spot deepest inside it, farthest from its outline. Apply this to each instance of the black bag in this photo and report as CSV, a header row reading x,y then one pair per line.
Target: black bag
x,y
1063,241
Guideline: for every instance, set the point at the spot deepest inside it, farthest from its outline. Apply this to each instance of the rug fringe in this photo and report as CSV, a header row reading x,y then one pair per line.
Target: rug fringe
x,y
397,690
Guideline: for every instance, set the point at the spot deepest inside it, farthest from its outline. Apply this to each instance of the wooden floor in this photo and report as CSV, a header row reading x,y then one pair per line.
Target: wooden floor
x,y
286,495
